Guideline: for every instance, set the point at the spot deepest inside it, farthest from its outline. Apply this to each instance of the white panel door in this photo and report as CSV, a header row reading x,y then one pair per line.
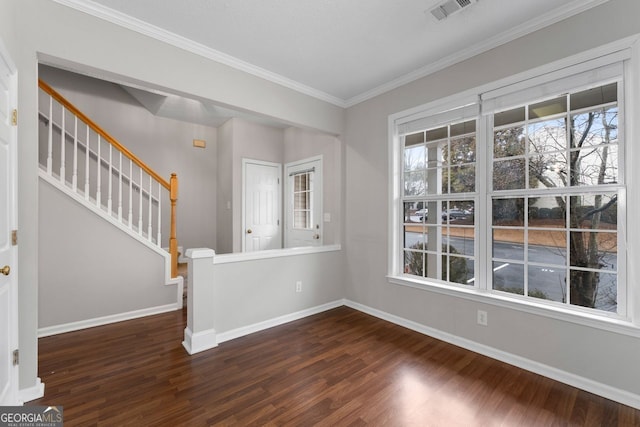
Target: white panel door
x,y
262,228
303,203
8,255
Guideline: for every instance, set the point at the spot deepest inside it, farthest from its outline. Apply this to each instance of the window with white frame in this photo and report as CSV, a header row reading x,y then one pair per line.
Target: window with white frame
x,y
555,185
439,191
522,199
302,199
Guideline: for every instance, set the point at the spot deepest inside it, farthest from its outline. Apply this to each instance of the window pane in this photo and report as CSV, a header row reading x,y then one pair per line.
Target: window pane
x,y
414,184
549,107
436,154
414,158
458,269
462,150
413,139
508,244
547,247
432,238
548,135
547,283
436,134
462,179
413,263
594,211
516,115
547,211
594,250
508,277
458,212
593,289
595,127
409,212
460,240
607,297
463,128
508,142
595,166
435,266
414,237
444,180
596,96
548,171
509,174
508,212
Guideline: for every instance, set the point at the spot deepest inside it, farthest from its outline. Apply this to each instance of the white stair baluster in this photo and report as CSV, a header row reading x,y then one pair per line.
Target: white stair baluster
x,y
86,168
150,222
159,225
140,204
74,177
99,175
62,148
130,193
120,189
110,177
50,139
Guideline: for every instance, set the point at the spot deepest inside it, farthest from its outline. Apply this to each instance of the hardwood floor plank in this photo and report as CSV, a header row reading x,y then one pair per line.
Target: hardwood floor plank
x,y
337,368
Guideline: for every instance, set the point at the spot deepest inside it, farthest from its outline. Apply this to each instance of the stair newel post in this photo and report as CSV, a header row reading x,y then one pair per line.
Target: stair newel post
x,y
173,241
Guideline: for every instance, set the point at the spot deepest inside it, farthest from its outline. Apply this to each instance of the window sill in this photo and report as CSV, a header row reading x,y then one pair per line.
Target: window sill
x,y
610,324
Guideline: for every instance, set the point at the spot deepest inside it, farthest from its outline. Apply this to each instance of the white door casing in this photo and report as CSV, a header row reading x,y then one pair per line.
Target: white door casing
x,y
8,222
303,203
261,205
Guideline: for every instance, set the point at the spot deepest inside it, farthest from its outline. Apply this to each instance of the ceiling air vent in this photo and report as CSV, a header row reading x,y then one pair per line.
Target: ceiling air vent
x,y
449,7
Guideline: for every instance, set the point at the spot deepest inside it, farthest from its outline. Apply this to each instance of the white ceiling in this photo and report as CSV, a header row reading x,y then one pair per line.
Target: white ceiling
x,y
341,51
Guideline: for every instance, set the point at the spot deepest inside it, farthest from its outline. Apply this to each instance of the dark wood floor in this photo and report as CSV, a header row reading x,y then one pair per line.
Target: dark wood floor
x,y
341,367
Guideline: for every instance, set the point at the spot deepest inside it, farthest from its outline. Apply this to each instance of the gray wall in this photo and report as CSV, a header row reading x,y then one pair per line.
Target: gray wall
x,y
241,288
598,355
225,189
38,30
125,275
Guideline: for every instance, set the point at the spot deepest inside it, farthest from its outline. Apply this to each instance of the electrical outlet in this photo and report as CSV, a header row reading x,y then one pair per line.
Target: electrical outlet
x,y
482,318
299,286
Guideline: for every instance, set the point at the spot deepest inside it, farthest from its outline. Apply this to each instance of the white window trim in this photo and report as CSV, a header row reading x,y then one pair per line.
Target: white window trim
x,y
628,48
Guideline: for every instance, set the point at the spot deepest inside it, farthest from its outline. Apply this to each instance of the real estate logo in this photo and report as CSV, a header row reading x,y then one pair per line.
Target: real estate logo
x,y
31,416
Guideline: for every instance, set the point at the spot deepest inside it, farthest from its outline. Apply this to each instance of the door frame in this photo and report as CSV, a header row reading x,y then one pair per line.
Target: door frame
x,y
13,339
245,162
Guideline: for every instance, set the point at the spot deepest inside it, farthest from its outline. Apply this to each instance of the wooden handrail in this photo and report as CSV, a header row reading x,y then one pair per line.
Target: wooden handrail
x,y
69,106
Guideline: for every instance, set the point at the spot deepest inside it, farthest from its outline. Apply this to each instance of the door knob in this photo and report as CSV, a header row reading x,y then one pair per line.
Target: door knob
x,y
5,270
316,236
249,231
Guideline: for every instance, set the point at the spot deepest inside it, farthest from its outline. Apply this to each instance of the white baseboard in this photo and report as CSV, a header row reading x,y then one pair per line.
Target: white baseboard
x,y
200,341
621,396
257,327
32,393
105,320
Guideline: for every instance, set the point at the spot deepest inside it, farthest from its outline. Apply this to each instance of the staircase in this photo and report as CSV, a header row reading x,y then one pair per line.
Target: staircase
x,y
82,160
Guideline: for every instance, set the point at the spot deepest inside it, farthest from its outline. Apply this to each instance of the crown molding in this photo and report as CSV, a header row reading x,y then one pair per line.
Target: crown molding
x,y
557,15
139,26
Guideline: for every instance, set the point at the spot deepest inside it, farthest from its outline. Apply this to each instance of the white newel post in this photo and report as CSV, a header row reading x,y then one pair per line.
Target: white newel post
x,y
199,335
